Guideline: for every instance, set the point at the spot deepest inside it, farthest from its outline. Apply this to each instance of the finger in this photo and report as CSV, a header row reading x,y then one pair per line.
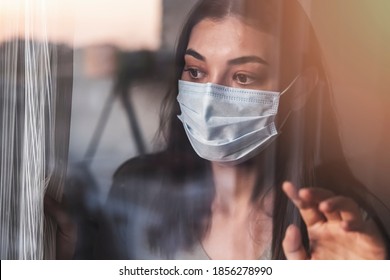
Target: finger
x,y
292,194
292,244
331,215
308,208
348,209
314,196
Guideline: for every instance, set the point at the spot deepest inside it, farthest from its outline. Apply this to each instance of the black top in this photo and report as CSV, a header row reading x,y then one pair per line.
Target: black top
x,y
154,209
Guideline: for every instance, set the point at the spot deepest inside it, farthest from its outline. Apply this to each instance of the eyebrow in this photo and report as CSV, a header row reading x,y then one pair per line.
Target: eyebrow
x,y
195,54
247,59
235,61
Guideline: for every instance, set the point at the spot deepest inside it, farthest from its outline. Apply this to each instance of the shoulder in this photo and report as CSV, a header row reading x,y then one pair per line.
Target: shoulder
x,y
140,180
136,185
143,164
130,208
150,165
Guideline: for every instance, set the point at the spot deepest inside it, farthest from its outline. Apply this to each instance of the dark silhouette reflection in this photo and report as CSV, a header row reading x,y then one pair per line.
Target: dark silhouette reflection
x,y
82,188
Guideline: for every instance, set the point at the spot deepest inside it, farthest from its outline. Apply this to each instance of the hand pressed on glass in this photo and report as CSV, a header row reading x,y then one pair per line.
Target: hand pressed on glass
x,y
335,225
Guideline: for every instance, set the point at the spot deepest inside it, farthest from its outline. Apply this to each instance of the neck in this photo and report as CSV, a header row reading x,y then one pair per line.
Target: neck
x,y
234,186
240,228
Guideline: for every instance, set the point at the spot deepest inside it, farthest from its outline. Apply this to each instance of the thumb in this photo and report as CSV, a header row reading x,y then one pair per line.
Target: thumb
x,y
292,244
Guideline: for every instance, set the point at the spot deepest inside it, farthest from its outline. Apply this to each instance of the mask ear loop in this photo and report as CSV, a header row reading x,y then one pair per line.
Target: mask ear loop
x,y
290,85
283,92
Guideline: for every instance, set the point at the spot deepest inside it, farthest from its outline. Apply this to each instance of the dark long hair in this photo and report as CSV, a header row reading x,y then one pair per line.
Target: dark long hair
x,y
307,152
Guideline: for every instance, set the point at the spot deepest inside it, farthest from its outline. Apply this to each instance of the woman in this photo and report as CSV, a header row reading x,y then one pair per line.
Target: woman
x,y
255,104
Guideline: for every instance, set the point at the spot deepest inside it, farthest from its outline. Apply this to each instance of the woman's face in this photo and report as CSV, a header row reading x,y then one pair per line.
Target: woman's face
x,y
231,53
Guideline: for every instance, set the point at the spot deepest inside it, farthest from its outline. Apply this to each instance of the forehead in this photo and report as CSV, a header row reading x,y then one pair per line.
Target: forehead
x,y
232,37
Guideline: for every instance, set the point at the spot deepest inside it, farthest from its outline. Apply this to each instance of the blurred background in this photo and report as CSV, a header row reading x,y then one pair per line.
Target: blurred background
x,y
122,61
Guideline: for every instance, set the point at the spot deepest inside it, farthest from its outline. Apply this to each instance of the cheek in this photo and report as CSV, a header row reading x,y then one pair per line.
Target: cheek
x,y
273,83
183,75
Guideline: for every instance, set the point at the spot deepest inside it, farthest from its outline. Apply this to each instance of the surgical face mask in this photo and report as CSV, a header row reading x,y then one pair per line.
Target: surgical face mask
x,y
225,124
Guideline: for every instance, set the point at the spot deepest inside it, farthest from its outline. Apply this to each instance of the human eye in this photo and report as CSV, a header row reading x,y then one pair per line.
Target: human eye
x,y
244,79
194,73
